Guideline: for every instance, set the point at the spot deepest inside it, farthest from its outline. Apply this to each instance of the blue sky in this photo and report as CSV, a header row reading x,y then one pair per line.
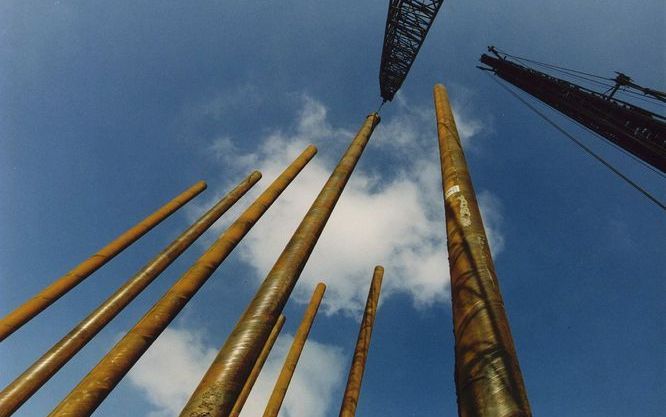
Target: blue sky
x,y
108,109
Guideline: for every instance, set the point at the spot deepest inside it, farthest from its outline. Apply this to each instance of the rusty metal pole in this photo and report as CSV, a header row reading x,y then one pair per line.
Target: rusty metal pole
x,y
99,382
488,379
245,392
49,295
290,362
17,392
353,389
218,390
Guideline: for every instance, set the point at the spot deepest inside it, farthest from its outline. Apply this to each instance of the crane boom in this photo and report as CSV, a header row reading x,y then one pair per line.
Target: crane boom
x,y
407,25
636,130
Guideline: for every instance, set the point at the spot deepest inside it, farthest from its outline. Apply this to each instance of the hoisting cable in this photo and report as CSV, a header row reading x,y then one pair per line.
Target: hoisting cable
x,y
582,146
643,97
379,109
621,149
554,66
569,72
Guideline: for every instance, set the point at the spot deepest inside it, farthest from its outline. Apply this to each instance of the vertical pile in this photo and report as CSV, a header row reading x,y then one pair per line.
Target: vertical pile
x,y
103,378
49,295
258,365
353,389
290,362
488,379
18,391
219,389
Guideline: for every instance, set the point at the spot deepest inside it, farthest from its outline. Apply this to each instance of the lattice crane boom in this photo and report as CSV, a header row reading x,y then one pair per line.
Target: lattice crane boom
x,y
407,24
636,130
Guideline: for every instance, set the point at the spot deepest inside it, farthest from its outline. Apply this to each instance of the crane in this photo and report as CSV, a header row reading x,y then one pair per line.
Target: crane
x,y
636,130
407,24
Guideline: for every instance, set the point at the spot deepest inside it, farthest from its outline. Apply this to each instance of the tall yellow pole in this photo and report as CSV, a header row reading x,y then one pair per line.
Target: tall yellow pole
x,y
17,392
245,392
488,379
95,386
49,295
290,362
353,389
218,390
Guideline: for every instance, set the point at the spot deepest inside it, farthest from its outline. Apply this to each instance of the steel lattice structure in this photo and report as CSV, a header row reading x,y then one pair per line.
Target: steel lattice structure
x,y
636,130
407,25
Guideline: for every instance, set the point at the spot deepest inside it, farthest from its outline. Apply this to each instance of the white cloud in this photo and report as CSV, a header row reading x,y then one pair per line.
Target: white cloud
x,y
319,372
243,96
170,371
491,213
414,126
396,221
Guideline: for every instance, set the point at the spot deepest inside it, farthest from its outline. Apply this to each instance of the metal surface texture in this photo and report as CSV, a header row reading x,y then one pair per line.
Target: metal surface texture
x,y
355,378
636,130
256,370
95,386
17,392
220,386
487,375
49,295
407,24
290,362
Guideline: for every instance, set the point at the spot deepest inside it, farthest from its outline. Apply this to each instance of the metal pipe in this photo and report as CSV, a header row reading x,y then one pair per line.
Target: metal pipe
x,y
245,392
17,392
290,362
488,378
95,386
353,389
218,390
49,295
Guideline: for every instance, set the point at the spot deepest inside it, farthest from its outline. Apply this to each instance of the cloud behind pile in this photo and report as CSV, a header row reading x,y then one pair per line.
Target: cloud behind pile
x,y
170,371
319,372
396,222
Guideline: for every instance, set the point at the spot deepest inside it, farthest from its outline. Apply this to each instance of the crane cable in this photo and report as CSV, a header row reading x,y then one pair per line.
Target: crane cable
x,y
379,109
647,99
568,70
619,148
622,90
554,66
582,146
